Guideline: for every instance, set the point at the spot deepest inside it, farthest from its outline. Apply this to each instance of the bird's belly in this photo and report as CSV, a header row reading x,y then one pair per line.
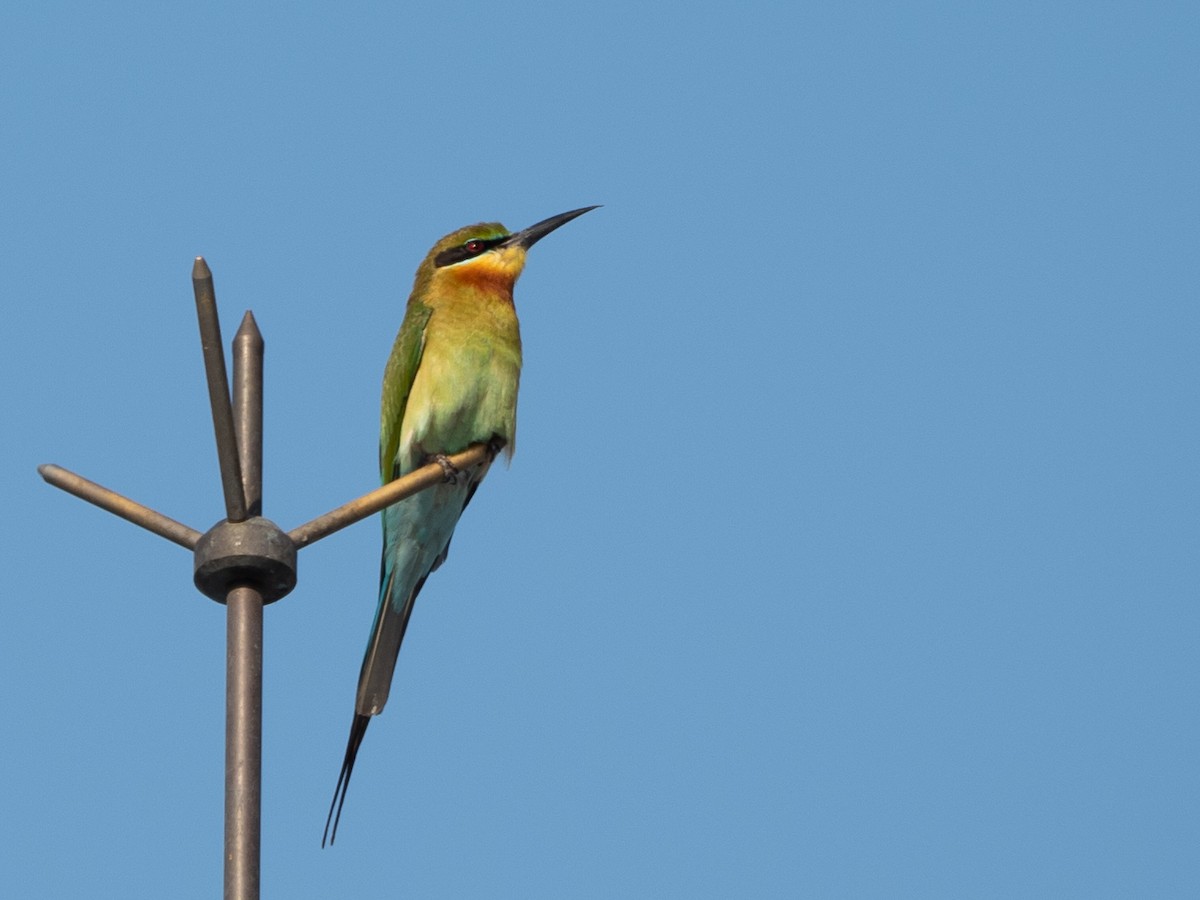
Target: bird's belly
x,y
454,405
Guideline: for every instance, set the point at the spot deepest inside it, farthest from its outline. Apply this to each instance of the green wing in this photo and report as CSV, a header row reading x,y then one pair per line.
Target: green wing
x,y
397,384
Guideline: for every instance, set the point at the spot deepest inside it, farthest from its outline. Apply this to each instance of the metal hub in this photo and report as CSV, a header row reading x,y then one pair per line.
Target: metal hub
x,y
255,553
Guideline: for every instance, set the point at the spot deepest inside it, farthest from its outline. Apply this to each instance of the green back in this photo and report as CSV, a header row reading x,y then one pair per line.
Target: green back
x,y
397,384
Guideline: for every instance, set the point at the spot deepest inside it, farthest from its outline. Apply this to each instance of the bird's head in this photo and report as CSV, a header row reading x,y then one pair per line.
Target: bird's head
x,y
486,255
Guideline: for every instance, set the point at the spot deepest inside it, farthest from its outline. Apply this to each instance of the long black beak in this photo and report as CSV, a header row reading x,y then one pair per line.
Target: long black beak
x,y
535,233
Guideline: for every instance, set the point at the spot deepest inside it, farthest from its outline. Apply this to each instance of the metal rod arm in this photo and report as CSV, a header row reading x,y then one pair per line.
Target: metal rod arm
x,y
218,390
120,505
393,491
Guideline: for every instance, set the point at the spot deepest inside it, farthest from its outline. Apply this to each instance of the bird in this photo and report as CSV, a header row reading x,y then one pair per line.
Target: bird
x,y
451,381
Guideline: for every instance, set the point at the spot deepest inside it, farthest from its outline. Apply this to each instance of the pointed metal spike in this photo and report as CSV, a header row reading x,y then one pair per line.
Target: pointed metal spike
x,y
218,390
248,348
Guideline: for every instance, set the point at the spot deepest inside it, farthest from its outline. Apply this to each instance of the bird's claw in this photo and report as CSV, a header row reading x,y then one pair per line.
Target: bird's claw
x,y
448,468
494,445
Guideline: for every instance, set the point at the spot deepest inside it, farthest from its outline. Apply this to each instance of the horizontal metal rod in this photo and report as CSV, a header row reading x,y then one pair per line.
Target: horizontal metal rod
x,y
120,505
392,492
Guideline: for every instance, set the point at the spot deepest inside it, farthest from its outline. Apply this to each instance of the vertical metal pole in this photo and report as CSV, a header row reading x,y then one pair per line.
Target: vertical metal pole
x,y
244,637
243,742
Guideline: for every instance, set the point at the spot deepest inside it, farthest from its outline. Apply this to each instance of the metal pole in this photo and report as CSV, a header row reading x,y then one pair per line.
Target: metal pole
x,y
244,640
243,742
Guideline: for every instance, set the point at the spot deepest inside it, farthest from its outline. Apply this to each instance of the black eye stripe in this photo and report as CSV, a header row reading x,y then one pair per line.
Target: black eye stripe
x,y
468,250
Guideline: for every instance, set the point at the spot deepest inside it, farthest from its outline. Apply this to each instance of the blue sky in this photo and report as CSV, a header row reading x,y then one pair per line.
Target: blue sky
x,y
850,544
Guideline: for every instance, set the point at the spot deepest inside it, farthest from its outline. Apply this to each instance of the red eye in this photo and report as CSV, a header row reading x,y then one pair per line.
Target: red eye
x,y
473,246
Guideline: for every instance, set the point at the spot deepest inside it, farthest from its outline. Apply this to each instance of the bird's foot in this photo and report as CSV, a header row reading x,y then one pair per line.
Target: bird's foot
x,y
450,470
494,445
